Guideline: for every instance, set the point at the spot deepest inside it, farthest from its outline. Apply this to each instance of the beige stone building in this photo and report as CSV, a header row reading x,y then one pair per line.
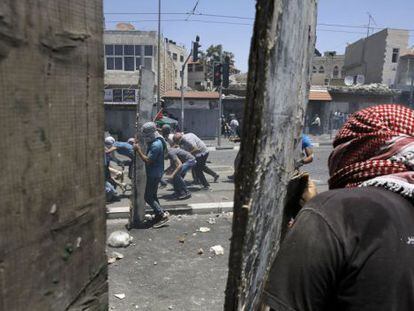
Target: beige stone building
x,y
126,49
376,57
328,69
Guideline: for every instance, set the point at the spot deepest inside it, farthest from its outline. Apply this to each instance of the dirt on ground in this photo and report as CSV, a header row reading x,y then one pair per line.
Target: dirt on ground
x,y
171,268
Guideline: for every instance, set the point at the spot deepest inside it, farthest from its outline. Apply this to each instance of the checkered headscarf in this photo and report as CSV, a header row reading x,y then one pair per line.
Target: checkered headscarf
x,y
376,141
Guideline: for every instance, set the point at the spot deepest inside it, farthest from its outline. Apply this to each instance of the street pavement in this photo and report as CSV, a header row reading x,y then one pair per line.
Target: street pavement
x,y
222,161
163,270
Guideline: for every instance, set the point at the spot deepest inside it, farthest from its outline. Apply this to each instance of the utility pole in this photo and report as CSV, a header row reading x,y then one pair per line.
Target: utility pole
x,y
194,53
220,108
159,58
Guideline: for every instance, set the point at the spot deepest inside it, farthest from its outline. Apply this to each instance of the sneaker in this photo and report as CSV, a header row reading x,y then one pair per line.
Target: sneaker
x,y
205,188
185,196
216,178
161,220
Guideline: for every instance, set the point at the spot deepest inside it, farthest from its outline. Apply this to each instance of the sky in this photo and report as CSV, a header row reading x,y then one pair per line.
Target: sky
x,y
235,33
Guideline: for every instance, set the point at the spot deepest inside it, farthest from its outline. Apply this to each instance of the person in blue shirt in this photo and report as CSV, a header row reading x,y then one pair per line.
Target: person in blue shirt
x,y
307,151
154,168
123,148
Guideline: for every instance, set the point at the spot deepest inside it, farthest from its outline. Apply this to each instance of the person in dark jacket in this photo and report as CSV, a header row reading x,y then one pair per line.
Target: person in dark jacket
x,y
352,248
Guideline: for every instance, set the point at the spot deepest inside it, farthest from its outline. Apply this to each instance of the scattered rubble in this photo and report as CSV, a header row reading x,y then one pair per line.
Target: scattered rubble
x,y
119,239
200,251
120,296
204,229
217,250
365,89
114,257
148,217
211,221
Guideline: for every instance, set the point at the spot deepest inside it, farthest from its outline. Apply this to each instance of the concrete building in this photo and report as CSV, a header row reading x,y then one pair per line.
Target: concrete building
x,y
328,69
198,76
376,57
405,72
201,112
126,49
178,54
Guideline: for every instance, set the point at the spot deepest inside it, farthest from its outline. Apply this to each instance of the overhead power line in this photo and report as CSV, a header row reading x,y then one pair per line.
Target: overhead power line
x,y
252,18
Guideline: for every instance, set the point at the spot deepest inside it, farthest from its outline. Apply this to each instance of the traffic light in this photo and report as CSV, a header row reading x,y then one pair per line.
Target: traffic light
x,y
226,72
218,68
196,45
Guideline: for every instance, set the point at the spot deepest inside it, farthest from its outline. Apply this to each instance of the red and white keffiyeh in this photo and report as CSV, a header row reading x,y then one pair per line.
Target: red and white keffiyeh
x,y
375,147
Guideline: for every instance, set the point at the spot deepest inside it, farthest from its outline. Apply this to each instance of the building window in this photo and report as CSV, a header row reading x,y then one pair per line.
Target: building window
x,y
118,63
109,49
128,95
117,95
321,69
119,50
129,50
314,70
176,73
197,83
343,73
335,73
326,82
148,51
120,95
148,63
129,64
199,68
182,58
395,55
138,50
137,62
190,67
110,63
175,56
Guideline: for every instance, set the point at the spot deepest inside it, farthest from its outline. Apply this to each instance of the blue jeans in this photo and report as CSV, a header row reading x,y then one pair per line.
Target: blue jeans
x,y
188,165
151,189
109,191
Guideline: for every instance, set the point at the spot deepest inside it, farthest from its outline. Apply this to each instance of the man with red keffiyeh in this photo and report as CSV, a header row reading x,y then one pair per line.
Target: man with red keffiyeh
x,y
352,248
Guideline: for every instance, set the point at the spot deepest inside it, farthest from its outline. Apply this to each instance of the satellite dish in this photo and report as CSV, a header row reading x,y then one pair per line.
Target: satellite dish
x,y
360,80
349,80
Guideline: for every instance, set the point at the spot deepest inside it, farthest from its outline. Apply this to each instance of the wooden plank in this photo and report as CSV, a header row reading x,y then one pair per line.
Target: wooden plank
x,y
278,87
52,210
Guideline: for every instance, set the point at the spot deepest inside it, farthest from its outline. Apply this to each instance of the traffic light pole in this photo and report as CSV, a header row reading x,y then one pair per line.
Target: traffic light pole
x,y
220,109
182,91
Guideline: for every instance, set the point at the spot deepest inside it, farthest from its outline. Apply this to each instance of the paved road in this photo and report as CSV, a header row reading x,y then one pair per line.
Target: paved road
x,y
223,190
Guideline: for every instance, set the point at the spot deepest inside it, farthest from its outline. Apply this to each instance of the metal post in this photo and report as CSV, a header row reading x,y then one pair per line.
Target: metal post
x,y
159,57
219,117
182,72
182,99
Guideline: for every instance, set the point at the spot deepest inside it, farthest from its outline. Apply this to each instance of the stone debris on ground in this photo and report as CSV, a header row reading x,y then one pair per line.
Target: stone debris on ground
x,y
148,217
114,257
204,229
120,296
211,221
200,251
119,239
217,250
